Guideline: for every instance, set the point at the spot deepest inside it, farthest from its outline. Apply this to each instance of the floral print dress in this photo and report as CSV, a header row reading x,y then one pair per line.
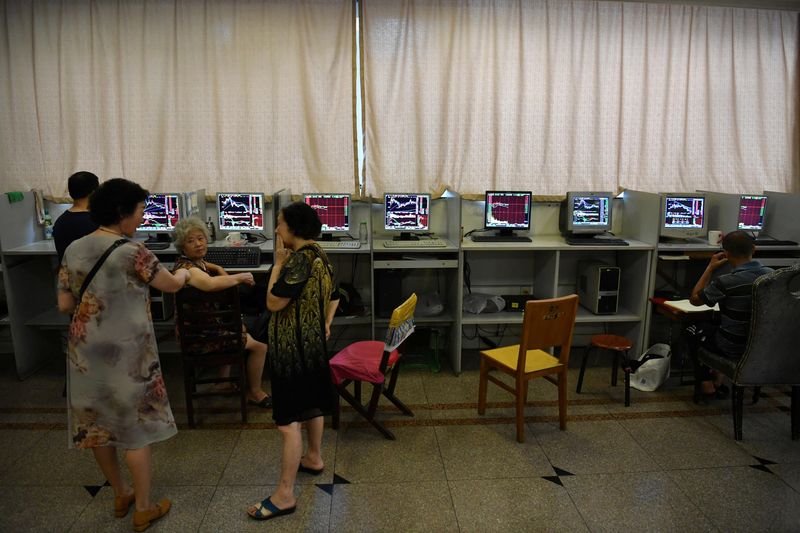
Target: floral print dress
x,y
116,393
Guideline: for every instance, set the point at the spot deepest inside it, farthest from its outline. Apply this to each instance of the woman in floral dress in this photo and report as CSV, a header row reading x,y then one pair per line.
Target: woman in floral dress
x,y
116,393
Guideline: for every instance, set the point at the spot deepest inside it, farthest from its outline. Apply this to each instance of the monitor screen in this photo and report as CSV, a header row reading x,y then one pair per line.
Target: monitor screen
x,y
751,212
507,210
240,211
406,211
161,212
333,210
590,210
684,212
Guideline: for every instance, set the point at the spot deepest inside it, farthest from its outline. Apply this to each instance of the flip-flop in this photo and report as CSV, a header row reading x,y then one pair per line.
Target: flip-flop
x,y
265,402
266,504
307,470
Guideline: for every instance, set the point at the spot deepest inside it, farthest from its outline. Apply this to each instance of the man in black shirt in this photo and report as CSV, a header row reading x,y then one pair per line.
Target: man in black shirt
x,y
75,222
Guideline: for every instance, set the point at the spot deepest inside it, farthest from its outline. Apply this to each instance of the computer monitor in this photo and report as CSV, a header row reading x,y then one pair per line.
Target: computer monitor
x,y
240,211
333,211
752,209
587,212
406,212
161,212
507,210
684,215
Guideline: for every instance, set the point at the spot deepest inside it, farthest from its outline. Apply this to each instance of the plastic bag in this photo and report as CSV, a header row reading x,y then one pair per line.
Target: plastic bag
x,y
483,303
655,371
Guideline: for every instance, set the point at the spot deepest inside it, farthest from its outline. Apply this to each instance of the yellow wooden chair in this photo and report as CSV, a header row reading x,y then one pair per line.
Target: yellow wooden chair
x,y
547,323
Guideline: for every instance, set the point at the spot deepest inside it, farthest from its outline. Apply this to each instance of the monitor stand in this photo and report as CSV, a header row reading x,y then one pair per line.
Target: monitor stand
x,y
158,236
405,236
682,240
326,237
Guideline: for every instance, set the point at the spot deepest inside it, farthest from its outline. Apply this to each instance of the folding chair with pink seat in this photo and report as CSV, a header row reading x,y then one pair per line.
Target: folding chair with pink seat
x,y
368,362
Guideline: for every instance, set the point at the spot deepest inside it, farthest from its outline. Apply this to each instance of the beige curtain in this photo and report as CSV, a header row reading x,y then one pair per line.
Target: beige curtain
x,y
555,95
178,94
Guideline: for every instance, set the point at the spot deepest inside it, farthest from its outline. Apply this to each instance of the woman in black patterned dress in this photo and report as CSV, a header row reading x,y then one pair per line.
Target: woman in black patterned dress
x,y
303,300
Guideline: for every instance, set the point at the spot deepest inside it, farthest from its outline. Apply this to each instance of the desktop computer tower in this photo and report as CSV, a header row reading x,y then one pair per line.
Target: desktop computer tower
x,y
598,287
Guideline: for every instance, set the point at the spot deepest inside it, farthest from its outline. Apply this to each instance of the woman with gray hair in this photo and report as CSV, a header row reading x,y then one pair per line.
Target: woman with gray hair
x,y
191,240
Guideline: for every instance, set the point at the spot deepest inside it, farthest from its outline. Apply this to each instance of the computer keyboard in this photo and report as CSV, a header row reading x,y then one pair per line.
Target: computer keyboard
x,y
339,244
234,256
773,242
500,238
156,245
422,243
595,241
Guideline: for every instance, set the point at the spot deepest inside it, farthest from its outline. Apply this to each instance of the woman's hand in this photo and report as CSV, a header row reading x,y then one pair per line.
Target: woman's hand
x,y
281,253
245,278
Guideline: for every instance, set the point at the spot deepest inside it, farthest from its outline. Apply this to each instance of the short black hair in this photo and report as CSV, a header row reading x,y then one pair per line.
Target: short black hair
x,y
738,244
82,184
302,220
114,200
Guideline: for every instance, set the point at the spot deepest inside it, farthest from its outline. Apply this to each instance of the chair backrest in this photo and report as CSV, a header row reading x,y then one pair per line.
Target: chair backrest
x,y
401,325
208,322
548,323
772,356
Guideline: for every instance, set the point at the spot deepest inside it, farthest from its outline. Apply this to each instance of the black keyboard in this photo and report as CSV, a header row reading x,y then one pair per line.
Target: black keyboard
x,y
773,242
500,238
156,245
595,241
234,256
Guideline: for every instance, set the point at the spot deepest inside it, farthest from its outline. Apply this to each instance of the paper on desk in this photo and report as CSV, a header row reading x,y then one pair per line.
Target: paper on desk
x,y
687,307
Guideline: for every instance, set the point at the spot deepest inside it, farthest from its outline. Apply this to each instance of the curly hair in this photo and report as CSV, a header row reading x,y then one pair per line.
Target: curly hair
x,y
114,200
184,227
302,220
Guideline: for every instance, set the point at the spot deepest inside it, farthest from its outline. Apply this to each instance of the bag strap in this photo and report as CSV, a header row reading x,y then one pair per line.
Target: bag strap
x,y
97,266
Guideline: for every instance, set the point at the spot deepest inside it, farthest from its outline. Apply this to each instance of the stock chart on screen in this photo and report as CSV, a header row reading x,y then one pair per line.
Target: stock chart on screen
x,y
240,211
590,210
161,212
508,210
683,212
407,212
333,210
751,212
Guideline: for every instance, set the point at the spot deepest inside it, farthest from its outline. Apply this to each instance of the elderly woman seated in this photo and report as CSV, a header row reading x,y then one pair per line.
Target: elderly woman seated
x,y
191,240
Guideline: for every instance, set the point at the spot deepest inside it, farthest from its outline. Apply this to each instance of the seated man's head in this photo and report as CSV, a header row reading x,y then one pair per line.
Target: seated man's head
x,y
191,238
82,184
738,246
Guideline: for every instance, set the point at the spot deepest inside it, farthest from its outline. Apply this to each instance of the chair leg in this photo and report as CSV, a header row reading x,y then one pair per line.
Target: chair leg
x,y
482,387
737,398
349,398
562,399
795,412
614,369
520,403
389,392
583,368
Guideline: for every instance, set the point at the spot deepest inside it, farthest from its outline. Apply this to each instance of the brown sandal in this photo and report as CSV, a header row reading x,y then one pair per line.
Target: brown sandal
x,y
142,519
122,504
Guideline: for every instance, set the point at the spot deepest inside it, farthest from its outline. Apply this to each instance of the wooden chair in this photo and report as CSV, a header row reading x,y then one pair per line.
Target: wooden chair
x,y
619,347
209,330
770,357
547,323
368,362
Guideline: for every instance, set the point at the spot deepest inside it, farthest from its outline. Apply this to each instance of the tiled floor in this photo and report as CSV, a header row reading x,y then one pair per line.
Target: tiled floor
x,y
663,464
